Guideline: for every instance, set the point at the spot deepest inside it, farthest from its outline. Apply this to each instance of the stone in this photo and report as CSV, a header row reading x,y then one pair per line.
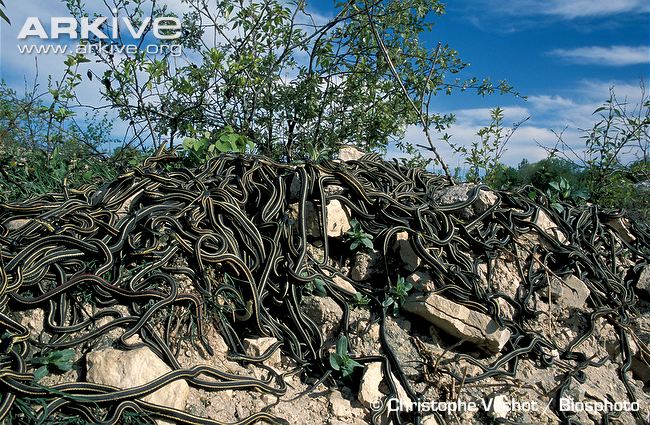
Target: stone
x,y
341,408
403,247
643,284
370,387
17,223
344,284
548,226
128,369
33,320
569,292
460,193
259,346
364,265
337,219
622,228
499,407
459,321
421,281
325,312
350,153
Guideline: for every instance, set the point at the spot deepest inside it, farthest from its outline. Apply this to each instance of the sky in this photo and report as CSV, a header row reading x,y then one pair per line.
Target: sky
x,y
564,56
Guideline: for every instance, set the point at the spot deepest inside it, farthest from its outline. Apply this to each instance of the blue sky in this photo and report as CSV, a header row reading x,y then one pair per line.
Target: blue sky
x,y
563,55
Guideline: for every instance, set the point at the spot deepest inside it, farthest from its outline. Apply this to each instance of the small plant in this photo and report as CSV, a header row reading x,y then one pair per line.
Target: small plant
x,y
561,191
359,300
207,144
398,294
315,287
55,361
341,361
357,237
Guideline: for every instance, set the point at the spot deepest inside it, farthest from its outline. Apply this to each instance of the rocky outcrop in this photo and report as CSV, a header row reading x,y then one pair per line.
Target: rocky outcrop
x,y
459,321
128,369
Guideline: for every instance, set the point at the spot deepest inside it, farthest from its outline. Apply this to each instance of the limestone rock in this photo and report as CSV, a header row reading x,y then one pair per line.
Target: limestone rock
x,y
350,153
259,346
370,388
499,407
325,312
337,219
421,281
569,292
548,226
643,284
407,254
459,321
364,265
622,227
128,369
341,408
343,284
33,321
461,193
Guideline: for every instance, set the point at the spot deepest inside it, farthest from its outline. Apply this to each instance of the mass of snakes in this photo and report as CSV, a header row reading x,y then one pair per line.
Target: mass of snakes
x,y
228,227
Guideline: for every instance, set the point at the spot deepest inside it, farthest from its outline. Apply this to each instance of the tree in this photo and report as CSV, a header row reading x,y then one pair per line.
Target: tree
x,y
294,85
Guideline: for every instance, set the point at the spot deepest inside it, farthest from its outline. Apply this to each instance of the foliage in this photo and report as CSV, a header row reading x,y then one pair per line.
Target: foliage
x,y
483,156
357,237
294,86
315,287
398,294
341,361
45,146
3,14
208,145
359,300
562,191
54,361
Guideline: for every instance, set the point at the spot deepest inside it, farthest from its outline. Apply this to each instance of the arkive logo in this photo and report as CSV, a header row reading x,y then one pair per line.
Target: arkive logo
x,y
100,32
163,28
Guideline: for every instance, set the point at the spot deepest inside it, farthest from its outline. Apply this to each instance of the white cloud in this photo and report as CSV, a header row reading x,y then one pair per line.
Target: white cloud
x,y
607,56
550,114
564,9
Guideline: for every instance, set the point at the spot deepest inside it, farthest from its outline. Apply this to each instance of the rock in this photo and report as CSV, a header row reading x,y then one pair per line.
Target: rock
x,y
324,311
421,281
259,346
459,321
407,254
128,369
341,408
334,189
342,283
461,193
622,227
350,153
640,369
364,265
548,226
569,292
499,407
370,388
337,219
33,320
17,223
643,284
430,420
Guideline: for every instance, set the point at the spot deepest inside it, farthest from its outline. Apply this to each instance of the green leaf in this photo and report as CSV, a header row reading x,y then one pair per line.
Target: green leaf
x,y
40,373
336,361
342,345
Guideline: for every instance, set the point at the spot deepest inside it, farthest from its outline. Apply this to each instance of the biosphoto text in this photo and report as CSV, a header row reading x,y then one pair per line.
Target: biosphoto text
x,y
113,35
